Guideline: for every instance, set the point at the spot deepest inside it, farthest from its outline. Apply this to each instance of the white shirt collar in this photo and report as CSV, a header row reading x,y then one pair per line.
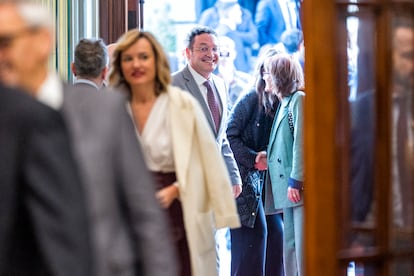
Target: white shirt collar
x,y
197,77
51,91
85,81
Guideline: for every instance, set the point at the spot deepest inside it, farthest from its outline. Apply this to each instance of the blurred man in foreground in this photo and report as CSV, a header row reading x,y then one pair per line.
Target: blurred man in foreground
x,y
43,225
127,224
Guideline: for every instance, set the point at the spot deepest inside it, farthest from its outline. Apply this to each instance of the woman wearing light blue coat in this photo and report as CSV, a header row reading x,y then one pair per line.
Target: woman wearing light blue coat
x,y
284,77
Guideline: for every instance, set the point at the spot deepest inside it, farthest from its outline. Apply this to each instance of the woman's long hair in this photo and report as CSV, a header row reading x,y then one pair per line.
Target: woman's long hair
x,y
266,100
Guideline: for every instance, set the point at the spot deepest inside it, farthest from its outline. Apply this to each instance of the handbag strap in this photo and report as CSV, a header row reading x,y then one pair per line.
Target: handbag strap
x,y
290,121
290,115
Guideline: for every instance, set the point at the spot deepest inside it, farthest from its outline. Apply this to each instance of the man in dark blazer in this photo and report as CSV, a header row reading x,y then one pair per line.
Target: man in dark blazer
x,y
128,227
43,222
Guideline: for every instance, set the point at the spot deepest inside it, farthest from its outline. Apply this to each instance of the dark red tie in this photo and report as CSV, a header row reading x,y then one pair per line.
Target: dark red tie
x,y
213,105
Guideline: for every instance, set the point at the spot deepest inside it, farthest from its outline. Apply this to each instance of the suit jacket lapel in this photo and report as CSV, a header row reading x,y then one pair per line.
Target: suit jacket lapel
x,y
192,87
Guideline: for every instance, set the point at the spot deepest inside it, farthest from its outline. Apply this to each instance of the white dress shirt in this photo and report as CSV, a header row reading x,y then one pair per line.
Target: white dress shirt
x,y
51,91
199,79
156,137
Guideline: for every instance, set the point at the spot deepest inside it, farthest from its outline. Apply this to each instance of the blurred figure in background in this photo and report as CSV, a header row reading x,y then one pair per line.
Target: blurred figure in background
x,y
228,18
291,42
364,126
230,15
403,120
111,48
236,80
273,17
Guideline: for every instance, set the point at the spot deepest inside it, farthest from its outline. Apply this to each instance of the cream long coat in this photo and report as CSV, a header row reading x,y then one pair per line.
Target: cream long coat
x,y
204,183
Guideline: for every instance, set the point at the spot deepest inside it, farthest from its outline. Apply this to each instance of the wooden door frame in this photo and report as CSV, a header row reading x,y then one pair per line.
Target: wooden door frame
x,y
320,147
326,150
112,19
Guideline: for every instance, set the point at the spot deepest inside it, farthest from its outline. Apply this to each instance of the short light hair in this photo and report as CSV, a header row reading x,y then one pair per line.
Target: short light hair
x,y
33,14
162,67
90,58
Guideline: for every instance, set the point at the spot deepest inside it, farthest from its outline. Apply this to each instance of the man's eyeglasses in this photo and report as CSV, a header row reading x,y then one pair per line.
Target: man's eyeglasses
x,y
7,40
224,54
206,49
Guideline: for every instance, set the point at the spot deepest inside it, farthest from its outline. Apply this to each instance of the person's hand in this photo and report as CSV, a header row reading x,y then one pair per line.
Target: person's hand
x,y
237,189
261,161
167,195
293,194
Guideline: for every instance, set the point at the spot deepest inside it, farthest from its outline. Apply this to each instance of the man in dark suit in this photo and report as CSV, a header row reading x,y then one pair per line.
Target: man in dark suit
x,y
128,227
90,65
43,222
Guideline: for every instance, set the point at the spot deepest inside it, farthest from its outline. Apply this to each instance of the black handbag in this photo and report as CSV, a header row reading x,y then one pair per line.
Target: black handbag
x,y
249,199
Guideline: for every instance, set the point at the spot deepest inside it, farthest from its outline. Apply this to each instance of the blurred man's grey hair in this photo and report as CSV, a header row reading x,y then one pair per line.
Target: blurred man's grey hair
x,y
90,58
33,14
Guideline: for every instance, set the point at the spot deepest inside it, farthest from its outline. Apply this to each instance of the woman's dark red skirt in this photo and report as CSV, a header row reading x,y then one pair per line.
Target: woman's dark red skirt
x,y
176,220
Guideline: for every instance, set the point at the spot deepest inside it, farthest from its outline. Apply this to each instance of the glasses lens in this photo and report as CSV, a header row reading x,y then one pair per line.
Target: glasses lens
x,y
5,41
224,54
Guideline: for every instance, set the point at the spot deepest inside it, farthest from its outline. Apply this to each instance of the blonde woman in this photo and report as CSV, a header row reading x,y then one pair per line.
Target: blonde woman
x,y
180,150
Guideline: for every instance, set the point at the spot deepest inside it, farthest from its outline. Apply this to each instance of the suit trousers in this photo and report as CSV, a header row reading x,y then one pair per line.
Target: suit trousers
x,y
176,221
293,240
